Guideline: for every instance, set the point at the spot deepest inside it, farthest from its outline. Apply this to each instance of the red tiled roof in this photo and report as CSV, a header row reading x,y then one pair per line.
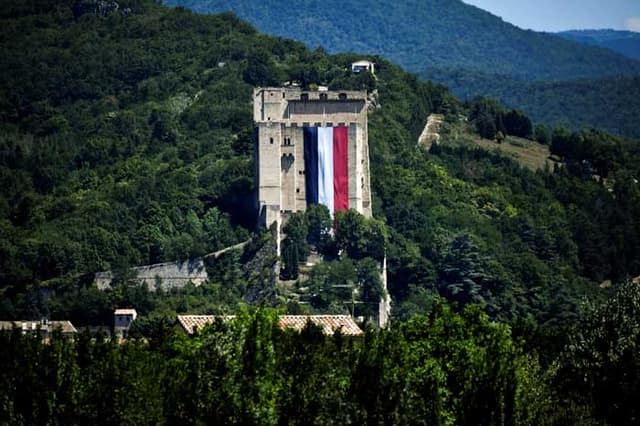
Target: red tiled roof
x,y
191,323
329,323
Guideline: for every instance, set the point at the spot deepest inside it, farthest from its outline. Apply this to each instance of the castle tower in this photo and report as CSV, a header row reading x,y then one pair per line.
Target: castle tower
x,y
312,147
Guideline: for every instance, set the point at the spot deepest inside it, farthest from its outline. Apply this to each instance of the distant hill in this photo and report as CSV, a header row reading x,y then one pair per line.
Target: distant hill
x,y
609,103
465,48
419,34
624,42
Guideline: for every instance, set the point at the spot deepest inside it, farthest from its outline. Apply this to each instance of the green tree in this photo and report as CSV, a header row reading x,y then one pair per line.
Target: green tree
x,y
599,370
370,285
360,237
297,230
542,134
462,274
319,227
290,260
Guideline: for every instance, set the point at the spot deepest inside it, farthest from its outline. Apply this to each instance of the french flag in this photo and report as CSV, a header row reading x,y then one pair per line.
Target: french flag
x,y
326,164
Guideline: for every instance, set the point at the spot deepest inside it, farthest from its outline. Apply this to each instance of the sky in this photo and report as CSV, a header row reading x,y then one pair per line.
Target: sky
x,y
559,15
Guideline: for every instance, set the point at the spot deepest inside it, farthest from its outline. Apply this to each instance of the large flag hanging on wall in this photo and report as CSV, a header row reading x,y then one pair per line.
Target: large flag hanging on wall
x,y
326,166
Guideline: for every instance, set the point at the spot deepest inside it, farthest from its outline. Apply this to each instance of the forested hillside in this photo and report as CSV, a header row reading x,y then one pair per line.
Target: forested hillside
x,y
611,104
465,48
126,139
130,143
624,42
420,34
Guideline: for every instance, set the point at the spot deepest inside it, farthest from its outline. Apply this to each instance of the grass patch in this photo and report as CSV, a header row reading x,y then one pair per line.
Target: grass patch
x,y
528,153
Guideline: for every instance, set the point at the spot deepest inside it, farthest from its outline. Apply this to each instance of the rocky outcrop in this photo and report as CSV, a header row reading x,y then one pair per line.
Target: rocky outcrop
x,y
430,134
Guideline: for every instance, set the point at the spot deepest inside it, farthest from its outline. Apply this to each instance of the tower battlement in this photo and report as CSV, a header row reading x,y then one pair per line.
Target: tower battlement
x,y
311,147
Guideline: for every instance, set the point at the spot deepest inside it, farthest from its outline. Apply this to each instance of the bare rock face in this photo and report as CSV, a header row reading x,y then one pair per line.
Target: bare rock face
x,y
431,132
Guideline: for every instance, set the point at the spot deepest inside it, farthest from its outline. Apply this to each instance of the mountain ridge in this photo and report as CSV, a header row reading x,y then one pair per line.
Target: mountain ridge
x,y
417,34
624,42
465,48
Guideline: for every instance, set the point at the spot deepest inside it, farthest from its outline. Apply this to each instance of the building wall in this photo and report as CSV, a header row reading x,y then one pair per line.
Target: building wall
x,y
269,179
123,321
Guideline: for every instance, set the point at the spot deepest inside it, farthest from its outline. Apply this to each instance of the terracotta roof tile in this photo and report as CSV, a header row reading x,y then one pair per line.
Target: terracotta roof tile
x,y
191,323
329,323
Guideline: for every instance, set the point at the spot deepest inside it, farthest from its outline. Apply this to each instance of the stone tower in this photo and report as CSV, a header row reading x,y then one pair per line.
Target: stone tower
x,y
312,147
282,176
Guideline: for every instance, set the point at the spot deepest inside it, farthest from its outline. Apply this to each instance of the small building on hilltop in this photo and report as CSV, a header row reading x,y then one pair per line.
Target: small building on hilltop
x,y
363,66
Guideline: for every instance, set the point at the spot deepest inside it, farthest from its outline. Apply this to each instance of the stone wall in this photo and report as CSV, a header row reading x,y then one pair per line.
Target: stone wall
x,y
163,276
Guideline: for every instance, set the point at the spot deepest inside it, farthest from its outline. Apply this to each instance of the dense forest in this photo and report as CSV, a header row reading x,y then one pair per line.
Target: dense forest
x,y
608,104
557,79
417,35
625,42
126,139
442,368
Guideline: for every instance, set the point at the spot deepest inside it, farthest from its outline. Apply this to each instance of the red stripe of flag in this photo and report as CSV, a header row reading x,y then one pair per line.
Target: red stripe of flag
x,y
340,169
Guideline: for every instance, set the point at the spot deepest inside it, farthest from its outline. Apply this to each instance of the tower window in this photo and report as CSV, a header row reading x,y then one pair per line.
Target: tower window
x,y
342,96
323,96
271,141
304,97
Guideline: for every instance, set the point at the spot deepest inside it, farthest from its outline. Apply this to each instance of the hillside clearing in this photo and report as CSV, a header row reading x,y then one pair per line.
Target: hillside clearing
x,y
529,154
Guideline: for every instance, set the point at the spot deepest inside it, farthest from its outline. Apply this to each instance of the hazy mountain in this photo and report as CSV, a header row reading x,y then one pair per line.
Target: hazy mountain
x,y
624,42
468,49
419,34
